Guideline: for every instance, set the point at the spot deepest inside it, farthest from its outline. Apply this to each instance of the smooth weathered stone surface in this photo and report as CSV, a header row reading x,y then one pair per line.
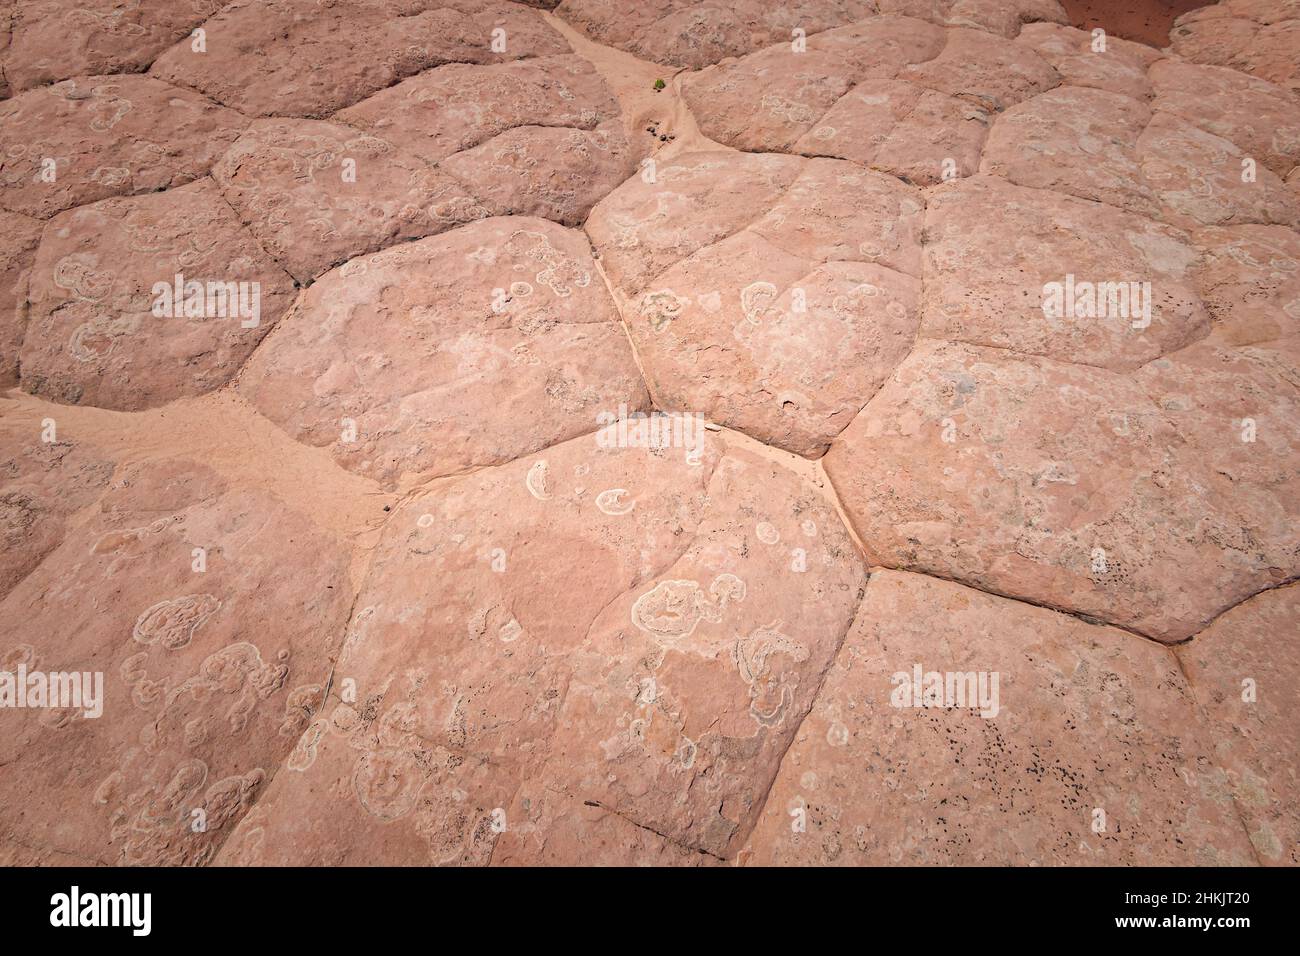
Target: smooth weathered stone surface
x,y
1237,410
894,93
642,697
1121,67
1075,140
55,39
1245,672
93,337
1071,486
1199,178
1249,277
913,133
693,34
1111,148
988,71
1088,719
1004,17
1261,119
316,194
552,829
19,236
106,136
301,58
539,137
460,668
537,171
565,647
714,665
466,349
209,677
459,106
42,484
768,99
987,287
780,317
1264,47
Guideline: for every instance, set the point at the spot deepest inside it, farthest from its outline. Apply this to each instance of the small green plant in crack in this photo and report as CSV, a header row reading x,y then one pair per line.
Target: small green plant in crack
x,y
659,85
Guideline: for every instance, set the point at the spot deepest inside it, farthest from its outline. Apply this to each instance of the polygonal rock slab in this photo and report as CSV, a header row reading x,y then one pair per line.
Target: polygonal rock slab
x,y
1264,51
465,349
1075,140
553,829
767,100
715,663
693,34
894,93
990,287
1200,177
1089,725
772,294
316,194
55,39
538,137
1111,148
919,135
661,694
989,71
1003,17
1260,118
1249,277
42,483
103,332
103,136
460,106
1245,671
301,58
457,653
1071,486
208,676
18,238
1119,67
1236,409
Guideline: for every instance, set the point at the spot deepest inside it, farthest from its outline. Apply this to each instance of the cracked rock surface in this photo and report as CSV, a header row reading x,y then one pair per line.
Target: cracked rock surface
x,y
597,432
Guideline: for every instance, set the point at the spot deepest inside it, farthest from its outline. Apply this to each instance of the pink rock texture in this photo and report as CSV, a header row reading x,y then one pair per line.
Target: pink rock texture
x,y
986,287
94,137
538,137
1120,66
694,34
1260,118
410,360
1158,165
985,467
1243,671
99,331
776,305
316,193
1256,37
1091,726
1249,278
893,93
53,40
659,697
209,677
19,236
484,432
285,58
43,482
